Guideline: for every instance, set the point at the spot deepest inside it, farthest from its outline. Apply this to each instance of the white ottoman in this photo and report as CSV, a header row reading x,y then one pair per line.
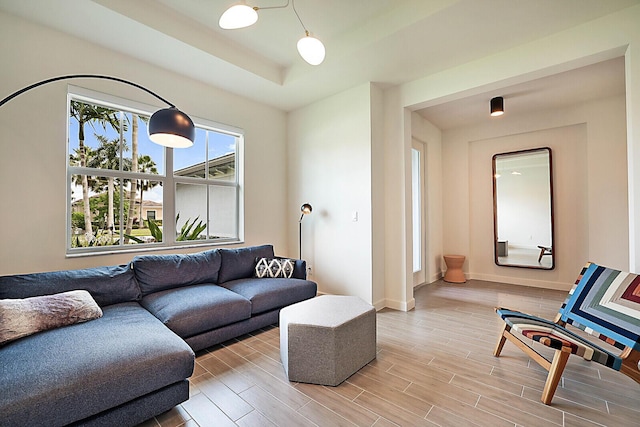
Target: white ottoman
x,y
325,340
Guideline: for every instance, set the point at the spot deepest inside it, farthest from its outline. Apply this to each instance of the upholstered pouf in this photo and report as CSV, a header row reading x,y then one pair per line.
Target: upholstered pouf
x,y
325,340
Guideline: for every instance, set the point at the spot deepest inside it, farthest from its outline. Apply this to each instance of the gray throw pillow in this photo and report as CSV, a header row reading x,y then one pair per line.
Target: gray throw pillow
x,y
22,317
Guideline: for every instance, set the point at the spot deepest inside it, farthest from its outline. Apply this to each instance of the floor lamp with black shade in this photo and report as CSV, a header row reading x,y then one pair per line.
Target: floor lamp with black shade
x,y
168,127
305,209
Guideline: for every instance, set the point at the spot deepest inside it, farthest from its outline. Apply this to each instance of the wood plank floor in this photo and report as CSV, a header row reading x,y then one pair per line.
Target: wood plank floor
x,y
434,368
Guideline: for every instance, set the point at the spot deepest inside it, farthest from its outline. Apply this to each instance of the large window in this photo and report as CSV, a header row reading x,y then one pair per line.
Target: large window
x,y
126,192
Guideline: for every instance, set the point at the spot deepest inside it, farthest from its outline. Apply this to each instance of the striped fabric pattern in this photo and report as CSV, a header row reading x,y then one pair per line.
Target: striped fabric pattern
x,y
555,336
606,303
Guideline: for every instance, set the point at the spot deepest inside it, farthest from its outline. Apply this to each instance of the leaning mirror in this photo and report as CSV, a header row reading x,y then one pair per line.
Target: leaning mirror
x,y
523,209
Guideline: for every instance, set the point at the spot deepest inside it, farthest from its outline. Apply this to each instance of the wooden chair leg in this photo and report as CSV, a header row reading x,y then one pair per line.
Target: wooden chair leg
x,y
502,340
558,364
630,361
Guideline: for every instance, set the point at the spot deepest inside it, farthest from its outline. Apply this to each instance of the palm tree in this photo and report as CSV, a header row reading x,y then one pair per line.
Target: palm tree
x,y
107,156
145,165
92,115
134,182
74,160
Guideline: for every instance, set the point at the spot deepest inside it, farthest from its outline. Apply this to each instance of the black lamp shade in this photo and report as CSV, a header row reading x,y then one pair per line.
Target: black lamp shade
x,y
171,127
497,106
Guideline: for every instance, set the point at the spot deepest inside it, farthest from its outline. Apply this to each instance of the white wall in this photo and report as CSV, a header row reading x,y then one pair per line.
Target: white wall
x,y
337,159
568,146
330,166
601,39
378,243
191,204
588,148
32,143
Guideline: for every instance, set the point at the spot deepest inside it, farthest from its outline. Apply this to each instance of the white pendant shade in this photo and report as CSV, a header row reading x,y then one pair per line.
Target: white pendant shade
x,y
241,15
238,16
311,49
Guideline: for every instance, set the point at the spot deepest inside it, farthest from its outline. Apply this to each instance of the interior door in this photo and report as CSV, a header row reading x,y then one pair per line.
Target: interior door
x,y
418,215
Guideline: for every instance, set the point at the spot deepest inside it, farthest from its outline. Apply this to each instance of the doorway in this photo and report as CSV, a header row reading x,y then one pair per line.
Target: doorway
x,y
418,212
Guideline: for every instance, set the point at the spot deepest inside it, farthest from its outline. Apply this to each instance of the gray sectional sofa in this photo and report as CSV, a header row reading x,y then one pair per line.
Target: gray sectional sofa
x,y
133,362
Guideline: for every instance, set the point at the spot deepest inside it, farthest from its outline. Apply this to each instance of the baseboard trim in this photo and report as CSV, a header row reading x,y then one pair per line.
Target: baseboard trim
x,y
400,305
380,304
535,283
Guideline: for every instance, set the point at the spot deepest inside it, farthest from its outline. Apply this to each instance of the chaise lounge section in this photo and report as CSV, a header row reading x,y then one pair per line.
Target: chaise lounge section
x,y
134,362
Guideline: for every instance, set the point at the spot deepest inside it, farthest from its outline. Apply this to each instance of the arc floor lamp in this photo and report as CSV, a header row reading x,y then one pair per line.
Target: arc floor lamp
x,y
305,209
168,127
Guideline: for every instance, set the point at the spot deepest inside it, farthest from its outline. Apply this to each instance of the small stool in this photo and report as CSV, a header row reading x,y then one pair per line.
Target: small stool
x,y
325,340
454,272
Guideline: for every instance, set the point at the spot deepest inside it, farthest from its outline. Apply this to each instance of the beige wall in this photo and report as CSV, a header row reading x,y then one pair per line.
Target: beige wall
x,y
590,185
588,145
612,36
350,152
33,135
330,159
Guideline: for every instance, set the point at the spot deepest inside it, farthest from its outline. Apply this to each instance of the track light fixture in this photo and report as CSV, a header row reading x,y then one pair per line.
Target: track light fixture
x,y
241,15
497,106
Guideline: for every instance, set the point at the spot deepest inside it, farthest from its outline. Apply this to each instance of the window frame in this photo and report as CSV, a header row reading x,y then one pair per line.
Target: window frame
x,y
168,179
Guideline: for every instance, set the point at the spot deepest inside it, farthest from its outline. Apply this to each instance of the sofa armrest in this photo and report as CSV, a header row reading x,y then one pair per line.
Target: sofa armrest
x,y
299,268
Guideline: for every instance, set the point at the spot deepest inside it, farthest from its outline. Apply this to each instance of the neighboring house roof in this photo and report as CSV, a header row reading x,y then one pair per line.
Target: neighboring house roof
x,y
145,203
219,167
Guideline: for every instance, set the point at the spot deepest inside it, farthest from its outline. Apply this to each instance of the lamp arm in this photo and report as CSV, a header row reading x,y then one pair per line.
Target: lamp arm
x,y
296,12
272,7
83,76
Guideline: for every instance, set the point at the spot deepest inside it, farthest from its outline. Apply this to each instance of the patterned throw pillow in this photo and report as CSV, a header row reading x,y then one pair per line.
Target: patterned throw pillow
x,y
274,267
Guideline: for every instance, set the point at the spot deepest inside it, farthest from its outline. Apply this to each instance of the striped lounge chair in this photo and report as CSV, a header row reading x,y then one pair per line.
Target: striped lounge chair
x,y
605,303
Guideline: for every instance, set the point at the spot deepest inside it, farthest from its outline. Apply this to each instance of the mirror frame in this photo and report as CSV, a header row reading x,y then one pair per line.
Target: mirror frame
x,y
495,209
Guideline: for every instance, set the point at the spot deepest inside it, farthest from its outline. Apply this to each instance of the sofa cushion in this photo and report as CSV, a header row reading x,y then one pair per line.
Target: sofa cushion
x,y
23,317
240,263
159,272
107,285
194,309
268,294
64,375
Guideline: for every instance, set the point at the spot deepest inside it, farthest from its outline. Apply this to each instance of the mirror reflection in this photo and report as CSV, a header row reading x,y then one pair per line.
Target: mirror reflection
x,y
523,209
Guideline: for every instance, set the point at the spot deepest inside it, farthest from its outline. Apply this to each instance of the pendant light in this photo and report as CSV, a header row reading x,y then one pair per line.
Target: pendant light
x,y
238,16
311,49
241,15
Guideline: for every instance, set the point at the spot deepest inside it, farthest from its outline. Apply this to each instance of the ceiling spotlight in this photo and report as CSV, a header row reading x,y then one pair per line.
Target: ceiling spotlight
x,y
497,106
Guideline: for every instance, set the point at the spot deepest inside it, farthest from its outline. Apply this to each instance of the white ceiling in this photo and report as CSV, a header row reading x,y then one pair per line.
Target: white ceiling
x,y
600,80
383,41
